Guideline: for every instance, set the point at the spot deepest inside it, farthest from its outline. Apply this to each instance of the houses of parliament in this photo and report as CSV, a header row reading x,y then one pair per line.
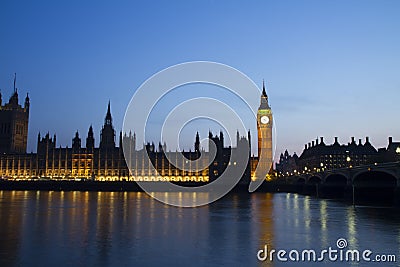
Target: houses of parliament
x,y
107,162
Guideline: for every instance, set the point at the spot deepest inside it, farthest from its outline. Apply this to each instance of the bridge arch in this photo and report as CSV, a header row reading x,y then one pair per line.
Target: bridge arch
x,y
315,179
336,179
375,178
301,180
387,171
375,187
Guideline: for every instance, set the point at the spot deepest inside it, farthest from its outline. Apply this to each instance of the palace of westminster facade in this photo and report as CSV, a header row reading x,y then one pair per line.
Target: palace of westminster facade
x,y
107,162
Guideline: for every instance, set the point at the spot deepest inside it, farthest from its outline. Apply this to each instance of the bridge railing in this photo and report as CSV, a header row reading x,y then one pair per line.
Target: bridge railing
x,y
311,172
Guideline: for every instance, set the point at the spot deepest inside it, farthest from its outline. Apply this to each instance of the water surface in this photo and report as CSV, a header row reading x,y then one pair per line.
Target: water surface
x,y
131,229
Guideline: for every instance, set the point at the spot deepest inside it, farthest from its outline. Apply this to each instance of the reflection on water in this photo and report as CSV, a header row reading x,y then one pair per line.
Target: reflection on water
x,y
127,228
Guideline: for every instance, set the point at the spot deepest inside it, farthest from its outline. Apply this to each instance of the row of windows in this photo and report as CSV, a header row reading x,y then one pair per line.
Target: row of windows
x,y
345,160
5,128
19,129
344,156
111,177
11,165
169,171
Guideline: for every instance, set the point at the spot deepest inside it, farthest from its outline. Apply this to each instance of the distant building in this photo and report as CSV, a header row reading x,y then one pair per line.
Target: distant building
x,y
391,153
287,164
14,124
107,162
148,163
317,156
225,156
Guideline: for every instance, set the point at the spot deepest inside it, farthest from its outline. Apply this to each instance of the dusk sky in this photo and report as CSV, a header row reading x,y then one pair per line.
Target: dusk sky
x,y
332,68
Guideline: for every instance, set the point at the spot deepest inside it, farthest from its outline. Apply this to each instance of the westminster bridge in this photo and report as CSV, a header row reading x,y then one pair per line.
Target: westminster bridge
x,y
368,183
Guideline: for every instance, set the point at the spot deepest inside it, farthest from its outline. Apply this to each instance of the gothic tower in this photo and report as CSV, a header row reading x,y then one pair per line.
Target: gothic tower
x,y
76,142
197,143
107,135
264,128
14,124
90,139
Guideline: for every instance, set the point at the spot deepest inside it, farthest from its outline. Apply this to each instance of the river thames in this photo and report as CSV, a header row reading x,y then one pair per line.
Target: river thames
x,y
39,228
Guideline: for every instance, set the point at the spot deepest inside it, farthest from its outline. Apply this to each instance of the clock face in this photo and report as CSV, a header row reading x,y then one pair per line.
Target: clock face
x,y
264,119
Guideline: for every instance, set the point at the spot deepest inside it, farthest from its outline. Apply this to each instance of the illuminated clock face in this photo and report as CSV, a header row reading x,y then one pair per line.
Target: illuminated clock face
x,y
264,119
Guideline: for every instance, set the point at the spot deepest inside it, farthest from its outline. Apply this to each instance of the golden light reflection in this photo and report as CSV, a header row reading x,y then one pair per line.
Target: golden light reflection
x,y
180,200
288,197
125,207
37,202
62,204
352,226
103,222
152,215
85,213
296,210
11,221
50,202
307,221
262,214
138,202
307,216
323,217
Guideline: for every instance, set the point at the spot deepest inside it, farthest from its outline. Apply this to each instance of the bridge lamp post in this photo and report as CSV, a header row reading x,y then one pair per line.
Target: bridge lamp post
x,y
348,159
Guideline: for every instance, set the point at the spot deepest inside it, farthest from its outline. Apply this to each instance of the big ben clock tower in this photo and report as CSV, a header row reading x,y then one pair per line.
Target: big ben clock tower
x,y
264,128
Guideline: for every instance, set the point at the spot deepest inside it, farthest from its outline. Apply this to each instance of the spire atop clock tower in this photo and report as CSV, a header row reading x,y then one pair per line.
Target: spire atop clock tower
x,y
264,99
264,93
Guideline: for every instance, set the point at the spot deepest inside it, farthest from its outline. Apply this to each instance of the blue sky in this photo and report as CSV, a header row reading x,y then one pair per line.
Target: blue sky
x,y
331,67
